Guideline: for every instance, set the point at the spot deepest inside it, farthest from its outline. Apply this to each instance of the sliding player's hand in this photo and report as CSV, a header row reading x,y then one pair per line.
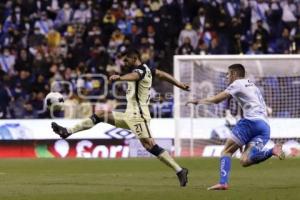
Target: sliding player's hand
x,y
192,101
184,86
114,78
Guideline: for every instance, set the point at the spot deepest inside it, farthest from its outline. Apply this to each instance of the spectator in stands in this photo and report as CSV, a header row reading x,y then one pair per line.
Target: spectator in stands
x,y
232,8
215,47
6,98
39,64
208,34
81,49
200,20
17,17
261,36
222,27
52,8
43,41
235,35
29,112
53,38
34,8
117,38
290,12
20,96
153,39
254,49
186,48
274,20
109,21
124,24
24,61
135,35
245,17
82,15
283,44
259,10
190,33
237,44
44,24
64,16
99,58
7,61
36,38
202,48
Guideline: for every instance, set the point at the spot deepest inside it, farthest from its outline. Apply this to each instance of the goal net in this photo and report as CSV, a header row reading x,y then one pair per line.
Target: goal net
x,y
202,129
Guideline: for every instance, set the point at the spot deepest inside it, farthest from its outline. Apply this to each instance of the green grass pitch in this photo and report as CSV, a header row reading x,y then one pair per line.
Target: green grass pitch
x,y
142,179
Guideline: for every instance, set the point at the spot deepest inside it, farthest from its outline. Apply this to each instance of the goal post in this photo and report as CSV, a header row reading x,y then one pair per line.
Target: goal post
x,y
278,77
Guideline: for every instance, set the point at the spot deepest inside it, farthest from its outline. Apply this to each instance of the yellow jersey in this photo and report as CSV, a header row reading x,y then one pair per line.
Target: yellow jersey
x,y
138,93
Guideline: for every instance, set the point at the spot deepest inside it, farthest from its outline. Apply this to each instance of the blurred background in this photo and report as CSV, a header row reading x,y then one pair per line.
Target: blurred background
x,y
70,46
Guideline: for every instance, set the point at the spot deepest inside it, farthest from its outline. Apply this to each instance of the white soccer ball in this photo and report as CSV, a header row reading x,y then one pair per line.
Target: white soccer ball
x,y
54,101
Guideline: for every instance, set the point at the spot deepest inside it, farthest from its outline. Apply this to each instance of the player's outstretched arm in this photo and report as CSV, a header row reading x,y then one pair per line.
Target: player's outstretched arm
x,y
211,100
167,77
133,76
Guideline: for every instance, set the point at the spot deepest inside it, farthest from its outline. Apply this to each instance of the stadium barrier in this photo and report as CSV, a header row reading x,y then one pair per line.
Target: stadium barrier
x,y
19,138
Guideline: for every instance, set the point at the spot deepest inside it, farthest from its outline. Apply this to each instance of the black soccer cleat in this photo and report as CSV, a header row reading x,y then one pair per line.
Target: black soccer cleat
x,y
182,177
59,130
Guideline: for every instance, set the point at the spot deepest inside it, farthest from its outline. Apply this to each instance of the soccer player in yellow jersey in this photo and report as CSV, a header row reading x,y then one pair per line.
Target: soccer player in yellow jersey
x,y
137,116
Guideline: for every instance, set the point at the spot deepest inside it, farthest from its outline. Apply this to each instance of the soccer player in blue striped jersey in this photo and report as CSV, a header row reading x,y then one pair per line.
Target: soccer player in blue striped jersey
x,y
252,130
137,116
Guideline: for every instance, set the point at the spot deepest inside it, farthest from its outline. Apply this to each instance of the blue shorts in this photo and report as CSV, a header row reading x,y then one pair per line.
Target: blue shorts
x,y
256,131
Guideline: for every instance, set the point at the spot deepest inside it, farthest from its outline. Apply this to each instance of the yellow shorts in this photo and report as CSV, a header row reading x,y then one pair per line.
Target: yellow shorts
x,y
139,126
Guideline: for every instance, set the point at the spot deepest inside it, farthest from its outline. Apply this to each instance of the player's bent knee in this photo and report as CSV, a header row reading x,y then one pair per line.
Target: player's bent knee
x,y
147,146
147,143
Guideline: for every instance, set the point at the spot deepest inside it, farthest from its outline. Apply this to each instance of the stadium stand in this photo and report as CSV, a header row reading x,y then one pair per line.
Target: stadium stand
x,y
43,41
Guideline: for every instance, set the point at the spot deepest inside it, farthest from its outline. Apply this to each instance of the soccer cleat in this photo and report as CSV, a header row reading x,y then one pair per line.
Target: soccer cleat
x,y
278,152
182,177
219,186
59,130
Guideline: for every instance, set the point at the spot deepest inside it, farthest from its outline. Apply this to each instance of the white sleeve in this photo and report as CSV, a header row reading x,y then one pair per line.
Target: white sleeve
x,y
233,88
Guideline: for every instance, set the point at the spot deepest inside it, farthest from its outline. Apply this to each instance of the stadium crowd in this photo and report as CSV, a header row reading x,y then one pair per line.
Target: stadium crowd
x,y
45,41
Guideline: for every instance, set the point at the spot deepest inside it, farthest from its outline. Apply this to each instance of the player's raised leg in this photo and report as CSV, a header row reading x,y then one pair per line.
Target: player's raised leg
x,y
225,165
254,154
164,156
255,151
97,117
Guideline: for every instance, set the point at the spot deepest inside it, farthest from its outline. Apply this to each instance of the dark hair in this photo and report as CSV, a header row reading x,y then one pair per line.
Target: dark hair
x,y
133,53
239,69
